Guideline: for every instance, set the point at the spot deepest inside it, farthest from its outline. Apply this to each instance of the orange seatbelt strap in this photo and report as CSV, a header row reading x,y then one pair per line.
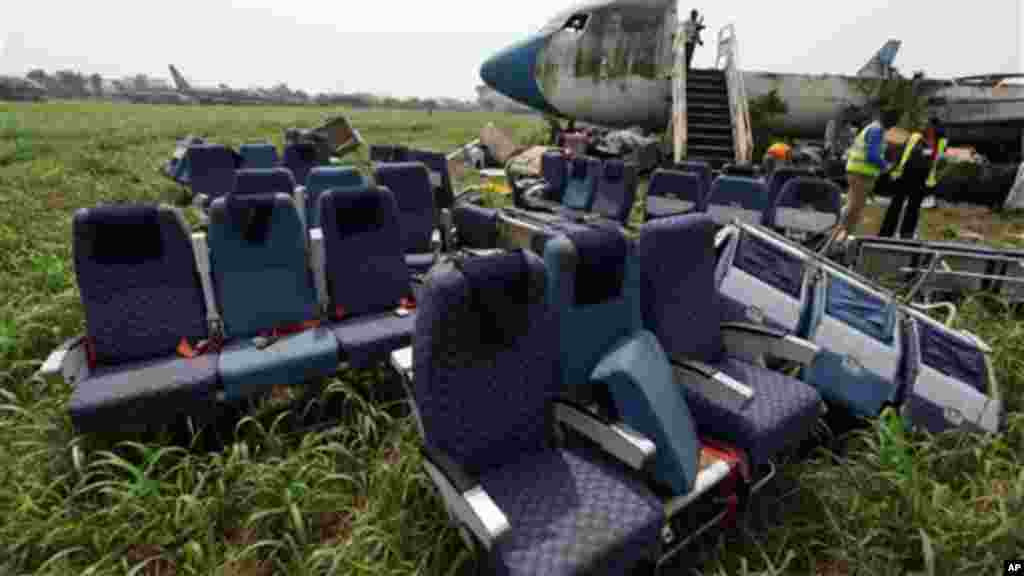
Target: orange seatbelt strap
x,y
291,329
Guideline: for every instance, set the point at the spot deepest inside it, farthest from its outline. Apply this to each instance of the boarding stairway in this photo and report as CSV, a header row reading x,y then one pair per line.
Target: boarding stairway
x,y
709,125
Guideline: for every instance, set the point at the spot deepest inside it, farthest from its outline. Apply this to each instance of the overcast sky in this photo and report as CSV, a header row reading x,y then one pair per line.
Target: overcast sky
x,y
434,48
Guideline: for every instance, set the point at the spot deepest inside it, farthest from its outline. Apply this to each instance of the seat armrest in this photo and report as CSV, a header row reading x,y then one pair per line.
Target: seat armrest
x,y
445,222
68,361
710,382
625,444
401,361
744,340
300,205
465,497
318,261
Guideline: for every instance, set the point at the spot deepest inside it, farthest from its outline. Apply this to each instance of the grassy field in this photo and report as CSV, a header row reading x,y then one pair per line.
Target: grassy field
x,y
352,499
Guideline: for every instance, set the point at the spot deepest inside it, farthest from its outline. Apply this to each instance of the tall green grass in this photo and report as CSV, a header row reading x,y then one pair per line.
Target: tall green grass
x,y
352,499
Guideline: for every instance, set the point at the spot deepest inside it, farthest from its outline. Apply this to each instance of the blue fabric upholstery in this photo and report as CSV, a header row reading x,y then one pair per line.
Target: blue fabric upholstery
x,y
952,355
860,309
477,226
211,170
300,158
485,405
639,377
246,369
322,178
258,155
746,192
581,183
366,272
702,170
592,283
141,294
683,309
669,191
616,190
263,181
437,162
762,275
782,175
554,168
410,183
818,194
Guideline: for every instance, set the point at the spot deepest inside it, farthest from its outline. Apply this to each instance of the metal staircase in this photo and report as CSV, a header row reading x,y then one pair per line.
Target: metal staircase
x,y
708,119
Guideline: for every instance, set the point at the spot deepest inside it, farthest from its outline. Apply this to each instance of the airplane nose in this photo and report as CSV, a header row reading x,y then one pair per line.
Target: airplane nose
x,y
512,72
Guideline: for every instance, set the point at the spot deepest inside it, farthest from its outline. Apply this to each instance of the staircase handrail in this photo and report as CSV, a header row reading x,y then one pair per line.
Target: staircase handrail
x,y
727,60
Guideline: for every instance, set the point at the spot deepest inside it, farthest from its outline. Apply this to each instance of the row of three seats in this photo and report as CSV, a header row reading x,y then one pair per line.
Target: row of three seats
x,y
621,342
580,184
174,324
211,167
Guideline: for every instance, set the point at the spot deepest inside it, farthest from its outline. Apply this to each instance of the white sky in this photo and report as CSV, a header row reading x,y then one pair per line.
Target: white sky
x,y
434,48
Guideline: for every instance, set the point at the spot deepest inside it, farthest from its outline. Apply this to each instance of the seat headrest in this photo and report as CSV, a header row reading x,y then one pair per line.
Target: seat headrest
x,y
359,209
263,181
255,213
600,264
124,234
614,169
500,291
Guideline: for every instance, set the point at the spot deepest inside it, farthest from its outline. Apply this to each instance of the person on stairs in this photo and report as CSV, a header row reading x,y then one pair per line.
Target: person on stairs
x,y
692,29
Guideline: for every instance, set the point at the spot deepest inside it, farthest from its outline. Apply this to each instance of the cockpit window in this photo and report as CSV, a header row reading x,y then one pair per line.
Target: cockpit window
x,y
576,22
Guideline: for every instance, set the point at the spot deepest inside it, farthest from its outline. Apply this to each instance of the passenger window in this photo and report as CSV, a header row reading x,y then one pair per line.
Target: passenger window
x,y
576,22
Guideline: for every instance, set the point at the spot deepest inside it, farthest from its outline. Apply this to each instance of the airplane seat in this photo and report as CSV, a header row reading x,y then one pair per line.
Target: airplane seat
x,y
778,178
554,167
616,190
322,178
258,155
410,184
731,395
475,226
368,280
703,170
860,336
737,197
581,183
211,170
300,158
265,290
745,170
141,293
806,206
440,178
263,182
763,281
673,192
486,379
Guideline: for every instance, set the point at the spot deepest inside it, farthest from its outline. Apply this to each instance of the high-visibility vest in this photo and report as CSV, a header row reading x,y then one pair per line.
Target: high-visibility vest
x,y
931,182
858,163
897,172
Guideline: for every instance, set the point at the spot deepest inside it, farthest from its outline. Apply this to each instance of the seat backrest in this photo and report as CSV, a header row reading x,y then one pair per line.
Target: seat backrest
x,y
554,167
581,183
738,197
616,190
321,179
476,226
680,300
701,169
364,259
263,182
258,252
440,179
138,281
300,158
592,284
211,170
806,204
486,359
258,155
410,183
783,174
686,186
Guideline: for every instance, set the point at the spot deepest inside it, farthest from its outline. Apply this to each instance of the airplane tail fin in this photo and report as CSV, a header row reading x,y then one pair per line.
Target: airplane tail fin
x,y
879,64
179,81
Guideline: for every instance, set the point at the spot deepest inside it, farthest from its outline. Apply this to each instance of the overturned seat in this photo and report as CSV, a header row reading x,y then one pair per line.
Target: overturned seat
x,y
486,378
142,298
323,178
300,158
410,184
581,183
258,155
616,190
611,364
736,197
732,396
673,193
861,335
805,207
211,171
266,294
368,284
264,182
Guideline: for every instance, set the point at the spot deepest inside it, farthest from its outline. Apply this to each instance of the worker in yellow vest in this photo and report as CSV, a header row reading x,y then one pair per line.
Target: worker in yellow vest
x,y
865,164
907,182
935,135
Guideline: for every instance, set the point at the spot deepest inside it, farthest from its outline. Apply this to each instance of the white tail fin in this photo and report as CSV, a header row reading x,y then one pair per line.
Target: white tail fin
x,y
881,62
179,81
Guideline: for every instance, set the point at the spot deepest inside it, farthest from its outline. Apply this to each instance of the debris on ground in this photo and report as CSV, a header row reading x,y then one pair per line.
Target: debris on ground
x,y
631,146
335,137
500,145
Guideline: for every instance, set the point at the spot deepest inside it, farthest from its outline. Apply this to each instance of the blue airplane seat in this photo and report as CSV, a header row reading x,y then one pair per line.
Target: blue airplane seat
x,y
264,182
806,205
300,158
258,155
581,183
410,184
211,170
616,190
733,197
672,193
321,179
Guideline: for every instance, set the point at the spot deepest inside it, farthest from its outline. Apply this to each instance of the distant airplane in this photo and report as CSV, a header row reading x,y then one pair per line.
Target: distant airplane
x,y
14,88
222,95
